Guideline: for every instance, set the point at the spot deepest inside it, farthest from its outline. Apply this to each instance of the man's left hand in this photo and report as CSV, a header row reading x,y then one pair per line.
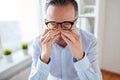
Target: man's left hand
x,y
73,39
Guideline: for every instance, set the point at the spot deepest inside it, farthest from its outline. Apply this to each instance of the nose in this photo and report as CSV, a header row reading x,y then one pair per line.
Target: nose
x,y
59,27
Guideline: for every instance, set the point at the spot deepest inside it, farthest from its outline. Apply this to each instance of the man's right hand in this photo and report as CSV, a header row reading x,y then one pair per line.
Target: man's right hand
x,y
46,41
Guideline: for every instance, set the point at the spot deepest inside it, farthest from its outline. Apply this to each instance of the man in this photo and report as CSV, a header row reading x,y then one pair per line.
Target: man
x,y
64,52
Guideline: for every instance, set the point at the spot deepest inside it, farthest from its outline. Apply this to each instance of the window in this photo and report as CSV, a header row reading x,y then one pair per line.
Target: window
x,y
20,21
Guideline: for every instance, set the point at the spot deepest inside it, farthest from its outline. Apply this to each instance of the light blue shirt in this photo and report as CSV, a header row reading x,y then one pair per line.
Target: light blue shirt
x,y
62,65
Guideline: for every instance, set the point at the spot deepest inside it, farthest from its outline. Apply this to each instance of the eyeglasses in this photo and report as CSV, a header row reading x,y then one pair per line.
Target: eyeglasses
x,y
65,25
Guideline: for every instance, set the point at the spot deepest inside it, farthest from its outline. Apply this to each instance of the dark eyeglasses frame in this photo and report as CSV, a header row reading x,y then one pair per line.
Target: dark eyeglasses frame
x,y
71,22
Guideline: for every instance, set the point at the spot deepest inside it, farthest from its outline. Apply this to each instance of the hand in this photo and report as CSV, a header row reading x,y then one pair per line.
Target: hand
x,y
74,41
46,41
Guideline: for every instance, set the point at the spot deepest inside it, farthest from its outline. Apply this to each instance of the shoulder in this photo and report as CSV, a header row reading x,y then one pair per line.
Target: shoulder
x,y
37,39
36,42
88,39
86,35
36,46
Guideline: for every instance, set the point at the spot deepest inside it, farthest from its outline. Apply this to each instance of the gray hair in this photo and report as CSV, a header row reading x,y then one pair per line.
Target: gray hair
x,y
62,3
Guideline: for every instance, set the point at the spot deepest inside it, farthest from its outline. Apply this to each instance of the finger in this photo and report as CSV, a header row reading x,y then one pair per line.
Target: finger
x,y
49,35
66,39
46,30
54,38
76,34
69,35
54,32
73,33
43,35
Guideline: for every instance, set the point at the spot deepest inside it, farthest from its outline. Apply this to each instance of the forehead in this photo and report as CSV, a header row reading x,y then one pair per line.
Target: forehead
x,y
60,13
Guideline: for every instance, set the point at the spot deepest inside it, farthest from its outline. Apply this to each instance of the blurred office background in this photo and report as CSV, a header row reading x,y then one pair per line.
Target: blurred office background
x,y
22,20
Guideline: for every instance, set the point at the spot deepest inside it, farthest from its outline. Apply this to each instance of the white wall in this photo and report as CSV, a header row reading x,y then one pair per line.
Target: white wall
x,y
29,19
99,29
111,40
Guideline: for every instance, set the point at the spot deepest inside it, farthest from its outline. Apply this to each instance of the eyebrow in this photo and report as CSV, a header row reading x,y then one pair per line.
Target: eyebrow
x,y
59,22
62,21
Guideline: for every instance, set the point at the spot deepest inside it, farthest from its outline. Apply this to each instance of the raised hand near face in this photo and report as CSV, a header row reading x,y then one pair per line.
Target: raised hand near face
x,y
46,41
73,39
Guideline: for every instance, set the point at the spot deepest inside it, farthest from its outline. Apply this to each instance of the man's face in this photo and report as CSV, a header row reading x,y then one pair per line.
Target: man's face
x,y
61,14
